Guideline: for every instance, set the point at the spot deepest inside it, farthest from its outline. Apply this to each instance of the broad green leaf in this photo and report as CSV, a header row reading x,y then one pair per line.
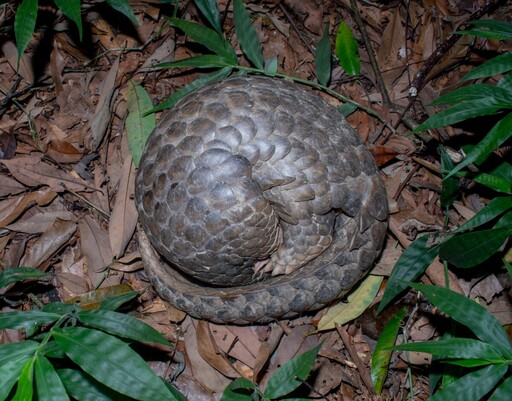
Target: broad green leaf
x,y
323,58
121,325
84,387
500,30
124,8
357,302
111,362
473,386
25,389
210,11
239,389
411,264
48,384
450,185
347,108
271,67
505,221
477,92
468,363
247,35
72,10
203,61
26,320
506,82
203,80
494,208
284,381
20,274
117,294
498,135
472,315
138,124
493,182
382,355
503,391
114,302
13,357
60,308
473,248
206,37
497,65
347,51
24,24
455,348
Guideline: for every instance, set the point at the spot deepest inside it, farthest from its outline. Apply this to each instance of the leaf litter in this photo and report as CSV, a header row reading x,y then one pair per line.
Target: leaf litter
x,y
66,192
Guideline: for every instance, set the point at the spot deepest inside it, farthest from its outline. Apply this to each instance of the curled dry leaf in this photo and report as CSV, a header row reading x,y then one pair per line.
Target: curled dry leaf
x,y
40,222
12,209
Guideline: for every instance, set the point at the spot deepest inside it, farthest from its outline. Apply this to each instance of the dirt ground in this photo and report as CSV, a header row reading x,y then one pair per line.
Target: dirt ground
x,y
67,177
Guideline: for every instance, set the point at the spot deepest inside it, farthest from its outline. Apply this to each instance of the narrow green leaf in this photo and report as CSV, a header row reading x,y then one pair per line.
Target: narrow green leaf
x,y
491,181
473,248
498,135
203,61
124,8
450,185
284,381
210,11
506,82
500,30
83,387
13,357
71,9
138,124
25,24
120,369
60,308
497,65
203,80
382,355
25,389
494,208
503,391
114,302
477,92
247,35
347,108
455,348
347,51
473,386
468,363
48,384
20,274
472,315
121,325
271,67
206,37
26,320
323,58
412,263
240,389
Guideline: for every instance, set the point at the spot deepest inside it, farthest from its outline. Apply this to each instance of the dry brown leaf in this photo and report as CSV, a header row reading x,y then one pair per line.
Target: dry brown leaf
x,y
123,219
73,283
96,248
13,208
10,52
209,351
32,171
241,343
390,54
266,350
63,152
40,222
49,243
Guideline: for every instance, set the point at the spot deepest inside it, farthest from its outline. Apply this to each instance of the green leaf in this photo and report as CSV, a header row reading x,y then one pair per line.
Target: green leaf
x,y
246,34
323,58
204,61
240,389
471,249
271,67
500,30
210,11
450,185
20,274
472,315
24,24
472,386
121,325
506,82
347,51
284,381
114,302
455,348
84,387
13,357
111,362
60,308
206,37
494,208
477,92
71,9
410,265
26,320
503,391
48,384
498,135
382,355
25,389
493,182
124,8
203,80
497,65
138,125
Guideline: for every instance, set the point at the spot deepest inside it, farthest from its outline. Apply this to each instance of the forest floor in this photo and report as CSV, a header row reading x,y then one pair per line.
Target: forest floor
x,y
67,178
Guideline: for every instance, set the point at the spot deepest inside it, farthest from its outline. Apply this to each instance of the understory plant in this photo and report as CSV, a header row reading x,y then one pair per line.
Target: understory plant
x,y
484,360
